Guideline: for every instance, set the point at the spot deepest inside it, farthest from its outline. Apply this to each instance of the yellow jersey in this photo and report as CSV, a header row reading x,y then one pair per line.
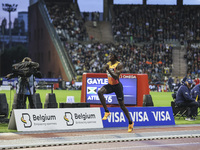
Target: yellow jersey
x,y
112,67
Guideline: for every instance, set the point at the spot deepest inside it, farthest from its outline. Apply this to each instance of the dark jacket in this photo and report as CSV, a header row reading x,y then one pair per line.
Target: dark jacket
x,y
183,95
170,81
195,91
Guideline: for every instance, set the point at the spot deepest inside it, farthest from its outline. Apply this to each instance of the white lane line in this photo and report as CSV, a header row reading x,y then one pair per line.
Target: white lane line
x,y
146,146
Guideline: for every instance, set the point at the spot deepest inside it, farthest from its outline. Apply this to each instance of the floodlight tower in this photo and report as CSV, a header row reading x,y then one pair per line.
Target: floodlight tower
x,y
9,8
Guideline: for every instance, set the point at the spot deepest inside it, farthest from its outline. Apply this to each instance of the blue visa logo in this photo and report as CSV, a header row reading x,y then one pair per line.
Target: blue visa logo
x,y
141,116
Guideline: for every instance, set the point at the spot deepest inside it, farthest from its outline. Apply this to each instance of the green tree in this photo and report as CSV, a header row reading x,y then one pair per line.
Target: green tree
x,y
12,56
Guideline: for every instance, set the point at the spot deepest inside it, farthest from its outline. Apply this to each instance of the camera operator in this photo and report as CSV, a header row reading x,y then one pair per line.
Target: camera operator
x,y
26,71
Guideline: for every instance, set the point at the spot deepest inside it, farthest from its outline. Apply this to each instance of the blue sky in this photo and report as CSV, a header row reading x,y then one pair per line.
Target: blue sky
x,y
22,6
84,5
97,5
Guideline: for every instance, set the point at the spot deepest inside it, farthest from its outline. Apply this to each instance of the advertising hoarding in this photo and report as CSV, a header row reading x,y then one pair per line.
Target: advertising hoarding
x,y
55,119
141,116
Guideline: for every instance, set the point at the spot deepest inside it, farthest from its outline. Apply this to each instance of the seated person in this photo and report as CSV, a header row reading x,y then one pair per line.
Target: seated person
x,y
195,93
176,87
184,99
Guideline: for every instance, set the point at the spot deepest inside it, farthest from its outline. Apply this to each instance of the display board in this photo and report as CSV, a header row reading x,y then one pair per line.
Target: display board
x,y
129,89
134,87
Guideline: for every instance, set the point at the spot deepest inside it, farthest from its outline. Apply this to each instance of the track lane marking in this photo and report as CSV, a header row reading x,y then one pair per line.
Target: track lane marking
x,y
162,145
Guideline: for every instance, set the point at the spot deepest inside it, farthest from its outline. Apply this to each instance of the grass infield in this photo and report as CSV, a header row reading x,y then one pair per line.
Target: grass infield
x,y
160,99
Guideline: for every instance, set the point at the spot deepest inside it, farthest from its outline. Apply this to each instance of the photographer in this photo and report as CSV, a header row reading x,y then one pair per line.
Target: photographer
x,y
26,71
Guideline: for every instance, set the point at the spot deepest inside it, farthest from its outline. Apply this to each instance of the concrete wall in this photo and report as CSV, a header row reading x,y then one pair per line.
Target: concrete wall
x,y
41,47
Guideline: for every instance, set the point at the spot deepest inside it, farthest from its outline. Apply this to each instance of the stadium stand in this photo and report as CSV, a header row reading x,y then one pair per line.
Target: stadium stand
x,y
155,59
146,37
193,59
155,23
152,59
65,21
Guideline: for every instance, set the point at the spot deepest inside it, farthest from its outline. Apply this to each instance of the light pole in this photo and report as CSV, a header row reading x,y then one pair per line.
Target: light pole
x,y
9,8
2,39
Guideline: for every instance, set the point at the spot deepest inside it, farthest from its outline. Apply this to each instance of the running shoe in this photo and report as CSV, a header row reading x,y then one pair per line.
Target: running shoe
x,y
106,115
130,127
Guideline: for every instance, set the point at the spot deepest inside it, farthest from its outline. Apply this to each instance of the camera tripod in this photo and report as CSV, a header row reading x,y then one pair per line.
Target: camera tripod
x,y
21,96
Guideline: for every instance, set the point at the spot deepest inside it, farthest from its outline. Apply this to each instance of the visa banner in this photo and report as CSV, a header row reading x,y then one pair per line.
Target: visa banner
x,y
142,116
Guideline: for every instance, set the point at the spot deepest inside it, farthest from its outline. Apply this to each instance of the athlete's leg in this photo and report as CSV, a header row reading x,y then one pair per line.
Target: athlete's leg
x,y
125,110
120,97
102,91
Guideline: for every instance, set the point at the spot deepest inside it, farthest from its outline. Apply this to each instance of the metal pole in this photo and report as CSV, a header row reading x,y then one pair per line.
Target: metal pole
x,y
0,62
10,37
1,51
3,39
51,88
9,8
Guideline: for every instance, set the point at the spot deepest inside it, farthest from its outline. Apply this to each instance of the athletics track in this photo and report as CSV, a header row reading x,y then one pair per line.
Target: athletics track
x,y
57,139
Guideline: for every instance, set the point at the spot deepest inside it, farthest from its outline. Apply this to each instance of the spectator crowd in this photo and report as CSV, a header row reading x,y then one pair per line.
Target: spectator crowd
x,y
152,59
193,59
67,24
131,24
137,23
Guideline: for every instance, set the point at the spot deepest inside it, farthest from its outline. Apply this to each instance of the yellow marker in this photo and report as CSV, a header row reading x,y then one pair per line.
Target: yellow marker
x,y
196,98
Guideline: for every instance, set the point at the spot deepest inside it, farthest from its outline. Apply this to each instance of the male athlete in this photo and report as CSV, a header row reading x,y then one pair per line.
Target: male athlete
x,y
114,69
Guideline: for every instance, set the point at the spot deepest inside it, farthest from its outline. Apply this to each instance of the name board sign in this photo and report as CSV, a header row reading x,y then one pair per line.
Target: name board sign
x,y
129,89
142,116
55,119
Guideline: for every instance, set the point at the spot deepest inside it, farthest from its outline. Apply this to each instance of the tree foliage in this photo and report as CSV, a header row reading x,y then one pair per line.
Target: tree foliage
x,y
12,56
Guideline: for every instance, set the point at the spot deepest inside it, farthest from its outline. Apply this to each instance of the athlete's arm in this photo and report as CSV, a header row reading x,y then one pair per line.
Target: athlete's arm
x,y
105,67
116,74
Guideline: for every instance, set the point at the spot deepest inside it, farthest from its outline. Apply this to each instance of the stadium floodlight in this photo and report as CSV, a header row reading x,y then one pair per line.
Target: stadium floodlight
x,y
9,8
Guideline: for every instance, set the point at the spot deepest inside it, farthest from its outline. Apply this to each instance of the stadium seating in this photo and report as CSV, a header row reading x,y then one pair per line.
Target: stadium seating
x,y
155,23
66,22
154,27
151,59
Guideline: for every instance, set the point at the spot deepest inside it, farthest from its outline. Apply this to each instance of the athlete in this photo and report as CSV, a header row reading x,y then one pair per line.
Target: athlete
x,y
114,69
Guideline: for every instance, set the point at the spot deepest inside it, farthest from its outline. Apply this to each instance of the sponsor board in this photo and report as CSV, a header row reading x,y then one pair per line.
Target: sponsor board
x,y
14,81
55,119
142,116
129,83
5,87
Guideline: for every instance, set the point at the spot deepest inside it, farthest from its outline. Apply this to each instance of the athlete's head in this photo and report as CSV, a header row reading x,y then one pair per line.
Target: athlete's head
x,y
113,56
